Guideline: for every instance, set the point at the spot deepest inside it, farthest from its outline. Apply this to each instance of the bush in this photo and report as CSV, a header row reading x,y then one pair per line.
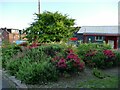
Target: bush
x,y
84,48
117,58
8,51
100,59
69,62
13,66
51,49
35,66
37,73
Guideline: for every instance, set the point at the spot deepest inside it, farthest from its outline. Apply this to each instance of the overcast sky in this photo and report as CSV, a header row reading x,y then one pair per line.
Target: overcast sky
x,y
20,13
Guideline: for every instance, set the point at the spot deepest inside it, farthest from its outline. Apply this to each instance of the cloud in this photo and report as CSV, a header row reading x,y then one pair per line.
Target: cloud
x,y
99,19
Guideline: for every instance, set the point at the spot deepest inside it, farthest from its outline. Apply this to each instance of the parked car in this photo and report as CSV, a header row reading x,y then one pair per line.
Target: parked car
x,y
20,41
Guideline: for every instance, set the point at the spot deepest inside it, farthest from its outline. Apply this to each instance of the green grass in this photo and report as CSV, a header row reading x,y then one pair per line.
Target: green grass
x,y
108,82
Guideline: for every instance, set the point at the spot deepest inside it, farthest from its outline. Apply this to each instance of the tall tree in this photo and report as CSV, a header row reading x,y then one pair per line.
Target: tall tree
x,y
49,27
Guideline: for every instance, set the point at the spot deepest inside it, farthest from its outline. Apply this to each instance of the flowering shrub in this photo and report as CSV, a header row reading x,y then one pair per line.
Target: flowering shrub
x,y
91,53
89,58
109,54
100,59
70,62
109,58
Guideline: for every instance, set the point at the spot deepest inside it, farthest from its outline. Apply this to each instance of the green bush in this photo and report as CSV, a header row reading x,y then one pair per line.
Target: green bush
x,y
37,73
34,67
84,48
51,49
94,59
100,59
117,58
8,51
13,66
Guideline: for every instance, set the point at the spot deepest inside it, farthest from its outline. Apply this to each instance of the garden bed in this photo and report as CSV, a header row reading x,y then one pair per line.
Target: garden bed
x,y
61,66
81,80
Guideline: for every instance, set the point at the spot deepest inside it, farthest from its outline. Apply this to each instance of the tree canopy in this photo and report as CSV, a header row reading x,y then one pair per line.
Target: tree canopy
x,y
49,27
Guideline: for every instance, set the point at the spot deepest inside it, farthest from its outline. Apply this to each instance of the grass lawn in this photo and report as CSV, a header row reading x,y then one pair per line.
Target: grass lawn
x,y
109,82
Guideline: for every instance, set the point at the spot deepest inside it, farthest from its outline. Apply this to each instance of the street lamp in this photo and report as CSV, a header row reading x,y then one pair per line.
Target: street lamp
x,y
38,6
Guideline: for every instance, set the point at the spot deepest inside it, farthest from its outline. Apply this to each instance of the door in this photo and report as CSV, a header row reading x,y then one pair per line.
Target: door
x,y
111,43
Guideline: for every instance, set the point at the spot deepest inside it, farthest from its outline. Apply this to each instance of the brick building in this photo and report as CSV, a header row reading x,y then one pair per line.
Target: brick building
x,y
11,35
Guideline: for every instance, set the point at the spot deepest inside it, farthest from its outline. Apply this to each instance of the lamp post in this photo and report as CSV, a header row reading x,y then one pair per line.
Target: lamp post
x,y
38,6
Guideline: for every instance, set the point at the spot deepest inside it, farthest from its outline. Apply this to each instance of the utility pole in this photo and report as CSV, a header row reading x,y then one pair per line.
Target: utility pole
x,y
38,6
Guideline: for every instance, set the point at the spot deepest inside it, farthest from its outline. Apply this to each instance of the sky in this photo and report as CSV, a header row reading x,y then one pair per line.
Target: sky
x,y
19,14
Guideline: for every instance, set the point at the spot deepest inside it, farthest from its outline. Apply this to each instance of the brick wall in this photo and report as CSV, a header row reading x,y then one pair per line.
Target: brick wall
x,y
15,36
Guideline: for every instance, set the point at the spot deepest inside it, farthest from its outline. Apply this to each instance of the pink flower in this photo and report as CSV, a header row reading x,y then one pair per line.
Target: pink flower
x,y
62,63
108,53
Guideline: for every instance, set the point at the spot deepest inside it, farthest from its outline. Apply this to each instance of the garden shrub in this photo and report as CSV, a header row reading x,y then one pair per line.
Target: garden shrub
x,y
117,58
37,73
51,49
104,46
8,51
35,66
84,48
100,59
69,62
12,66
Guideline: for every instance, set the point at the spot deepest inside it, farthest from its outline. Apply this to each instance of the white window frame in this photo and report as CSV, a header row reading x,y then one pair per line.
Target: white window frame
x,y
98,38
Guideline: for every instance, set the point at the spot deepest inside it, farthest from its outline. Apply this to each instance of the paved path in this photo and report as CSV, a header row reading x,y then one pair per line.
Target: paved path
x,y
4,83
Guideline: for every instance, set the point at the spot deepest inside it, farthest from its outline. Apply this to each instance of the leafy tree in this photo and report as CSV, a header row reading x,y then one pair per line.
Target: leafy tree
x,y
49,27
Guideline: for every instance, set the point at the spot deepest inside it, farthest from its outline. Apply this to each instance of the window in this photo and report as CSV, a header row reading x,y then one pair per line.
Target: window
x,y
99,38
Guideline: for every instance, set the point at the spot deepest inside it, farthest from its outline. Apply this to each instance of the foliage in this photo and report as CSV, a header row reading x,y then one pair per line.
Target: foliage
x,y
52,49
37,73
13,66
84,48
99,73
69,62
34,67
8,51
116,62
49,27
100,59
96,55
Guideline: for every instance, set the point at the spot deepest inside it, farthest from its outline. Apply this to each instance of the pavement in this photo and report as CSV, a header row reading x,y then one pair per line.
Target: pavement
x,y
4,82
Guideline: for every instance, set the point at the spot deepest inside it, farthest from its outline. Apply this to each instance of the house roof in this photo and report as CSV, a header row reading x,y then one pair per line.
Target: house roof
x,y
99,30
